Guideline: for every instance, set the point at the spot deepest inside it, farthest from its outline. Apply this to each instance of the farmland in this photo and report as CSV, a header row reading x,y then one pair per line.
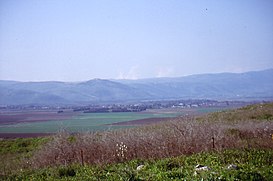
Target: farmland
x,y
31,122
47,123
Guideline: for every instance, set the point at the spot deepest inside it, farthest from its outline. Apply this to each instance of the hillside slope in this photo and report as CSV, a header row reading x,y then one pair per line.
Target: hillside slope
x,y
235,146
249,85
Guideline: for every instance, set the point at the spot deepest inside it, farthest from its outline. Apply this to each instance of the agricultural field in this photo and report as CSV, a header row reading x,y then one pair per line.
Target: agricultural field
x,y
79,123
28,123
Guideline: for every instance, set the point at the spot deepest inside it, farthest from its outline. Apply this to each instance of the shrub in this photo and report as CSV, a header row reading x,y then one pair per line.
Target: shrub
x,y
181,136
169,139
66,172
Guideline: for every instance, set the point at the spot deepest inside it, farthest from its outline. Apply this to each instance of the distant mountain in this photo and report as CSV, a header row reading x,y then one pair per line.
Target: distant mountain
x,y
249,85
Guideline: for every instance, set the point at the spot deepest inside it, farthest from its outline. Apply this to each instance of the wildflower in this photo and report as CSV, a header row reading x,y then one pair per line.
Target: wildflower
x,y
121,150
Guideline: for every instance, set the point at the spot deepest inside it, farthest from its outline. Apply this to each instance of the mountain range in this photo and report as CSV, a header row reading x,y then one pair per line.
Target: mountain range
x,y
220,86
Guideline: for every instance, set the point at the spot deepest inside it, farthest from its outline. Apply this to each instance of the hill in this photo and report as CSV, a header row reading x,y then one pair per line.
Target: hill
x,y
242,86
230,147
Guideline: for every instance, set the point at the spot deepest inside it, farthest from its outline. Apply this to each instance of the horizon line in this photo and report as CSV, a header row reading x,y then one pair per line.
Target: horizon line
x,y
137,79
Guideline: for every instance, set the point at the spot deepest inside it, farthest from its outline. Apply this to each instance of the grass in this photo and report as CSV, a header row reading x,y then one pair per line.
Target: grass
x,y
252,165
257,112
167,151
15,152
20,145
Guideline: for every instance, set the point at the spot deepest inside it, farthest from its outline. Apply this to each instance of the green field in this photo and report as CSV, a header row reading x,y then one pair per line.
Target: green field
x,y
82,122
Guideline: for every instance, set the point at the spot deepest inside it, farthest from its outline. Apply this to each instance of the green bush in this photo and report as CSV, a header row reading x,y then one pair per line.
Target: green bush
x,y
250,176
66,172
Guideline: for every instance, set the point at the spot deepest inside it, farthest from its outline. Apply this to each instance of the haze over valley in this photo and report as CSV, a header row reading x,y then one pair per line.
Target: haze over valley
x,y
256,85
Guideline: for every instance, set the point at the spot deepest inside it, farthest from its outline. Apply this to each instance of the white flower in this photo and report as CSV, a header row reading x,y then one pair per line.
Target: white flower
x,y
121,150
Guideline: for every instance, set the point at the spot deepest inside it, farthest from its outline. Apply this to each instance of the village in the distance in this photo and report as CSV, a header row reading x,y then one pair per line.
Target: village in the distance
x,y
133,107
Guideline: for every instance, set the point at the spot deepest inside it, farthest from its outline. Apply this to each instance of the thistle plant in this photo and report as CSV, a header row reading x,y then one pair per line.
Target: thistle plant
x,y
121,151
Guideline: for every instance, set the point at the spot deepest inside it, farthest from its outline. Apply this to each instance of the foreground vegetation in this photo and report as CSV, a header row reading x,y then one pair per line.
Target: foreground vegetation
x,y
231,145
251,165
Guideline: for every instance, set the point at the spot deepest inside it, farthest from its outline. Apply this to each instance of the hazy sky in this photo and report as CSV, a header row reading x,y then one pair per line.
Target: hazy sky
x,y
80,40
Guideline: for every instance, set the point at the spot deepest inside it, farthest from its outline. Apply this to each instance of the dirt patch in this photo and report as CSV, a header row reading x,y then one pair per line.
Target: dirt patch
x,y
142,121
8,118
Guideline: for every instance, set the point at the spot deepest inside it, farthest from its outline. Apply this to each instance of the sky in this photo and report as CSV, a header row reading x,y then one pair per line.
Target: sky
x,y
78,40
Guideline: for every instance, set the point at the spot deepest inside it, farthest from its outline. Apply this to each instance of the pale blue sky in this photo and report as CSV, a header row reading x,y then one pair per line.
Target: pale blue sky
x,y
79,40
